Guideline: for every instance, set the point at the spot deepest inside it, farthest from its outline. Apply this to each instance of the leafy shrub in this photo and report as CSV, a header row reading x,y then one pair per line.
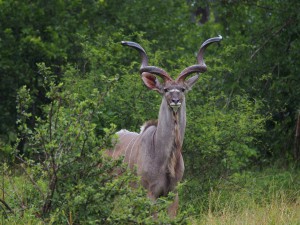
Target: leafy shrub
x,y
71,180
225,134
222,137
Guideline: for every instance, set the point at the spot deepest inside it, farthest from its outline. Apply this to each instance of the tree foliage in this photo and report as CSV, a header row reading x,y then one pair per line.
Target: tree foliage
x,y
269,68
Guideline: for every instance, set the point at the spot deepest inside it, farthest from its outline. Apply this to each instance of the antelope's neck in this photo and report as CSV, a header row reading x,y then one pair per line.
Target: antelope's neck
x,y
170,128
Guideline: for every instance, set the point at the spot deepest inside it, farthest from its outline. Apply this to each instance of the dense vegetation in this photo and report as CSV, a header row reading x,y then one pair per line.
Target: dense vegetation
x,y
67,85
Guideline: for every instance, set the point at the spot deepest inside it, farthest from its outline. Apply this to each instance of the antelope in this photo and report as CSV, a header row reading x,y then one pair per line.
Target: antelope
x,y
156,150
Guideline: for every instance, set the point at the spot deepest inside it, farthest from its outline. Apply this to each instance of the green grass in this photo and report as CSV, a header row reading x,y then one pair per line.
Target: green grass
x,y
18,191
268,197
273,213
278,211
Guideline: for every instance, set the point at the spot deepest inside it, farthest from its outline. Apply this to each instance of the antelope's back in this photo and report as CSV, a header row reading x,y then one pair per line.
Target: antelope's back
x,y
126,145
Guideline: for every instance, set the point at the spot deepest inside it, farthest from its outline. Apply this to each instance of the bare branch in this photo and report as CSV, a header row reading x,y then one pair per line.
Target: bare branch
x,y
6,205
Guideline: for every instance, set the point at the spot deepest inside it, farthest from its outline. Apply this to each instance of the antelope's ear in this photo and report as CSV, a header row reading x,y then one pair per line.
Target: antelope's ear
x,y
191,81
152,82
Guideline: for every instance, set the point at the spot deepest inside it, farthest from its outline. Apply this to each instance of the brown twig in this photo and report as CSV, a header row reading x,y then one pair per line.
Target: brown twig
x,y
52,187
297,139
6,205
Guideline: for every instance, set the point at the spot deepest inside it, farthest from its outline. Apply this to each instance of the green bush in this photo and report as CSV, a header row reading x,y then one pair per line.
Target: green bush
x,y
222,137
69,178
226,135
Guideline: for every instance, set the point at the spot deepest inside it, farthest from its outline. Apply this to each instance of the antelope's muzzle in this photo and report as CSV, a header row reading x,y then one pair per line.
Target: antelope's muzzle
x,y
175,106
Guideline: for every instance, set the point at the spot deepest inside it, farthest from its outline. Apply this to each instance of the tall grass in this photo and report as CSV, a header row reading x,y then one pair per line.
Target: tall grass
x,y
269,197
273,213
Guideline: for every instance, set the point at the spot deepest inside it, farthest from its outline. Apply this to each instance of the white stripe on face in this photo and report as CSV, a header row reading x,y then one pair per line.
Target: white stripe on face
x,y
174,90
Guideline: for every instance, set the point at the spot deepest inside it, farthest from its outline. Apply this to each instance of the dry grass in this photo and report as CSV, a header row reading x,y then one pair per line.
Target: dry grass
x,y
274,213
267,198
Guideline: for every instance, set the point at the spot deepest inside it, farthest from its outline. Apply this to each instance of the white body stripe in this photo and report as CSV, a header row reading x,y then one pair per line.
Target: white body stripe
x,y
138,137
127,148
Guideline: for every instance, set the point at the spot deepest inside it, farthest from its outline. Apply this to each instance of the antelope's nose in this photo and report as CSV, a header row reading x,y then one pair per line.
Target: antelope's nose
x,y
175,100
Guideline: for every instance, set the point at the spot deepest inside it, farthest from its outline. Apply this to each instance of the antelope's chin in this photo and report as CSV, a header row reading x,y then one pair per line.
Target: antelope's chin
x,y
175,107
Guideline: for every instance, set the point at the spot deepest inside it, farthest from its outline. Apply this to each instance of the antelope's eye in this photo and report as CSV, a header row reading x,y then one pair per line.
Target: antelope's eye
x,y
166,90
183,89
